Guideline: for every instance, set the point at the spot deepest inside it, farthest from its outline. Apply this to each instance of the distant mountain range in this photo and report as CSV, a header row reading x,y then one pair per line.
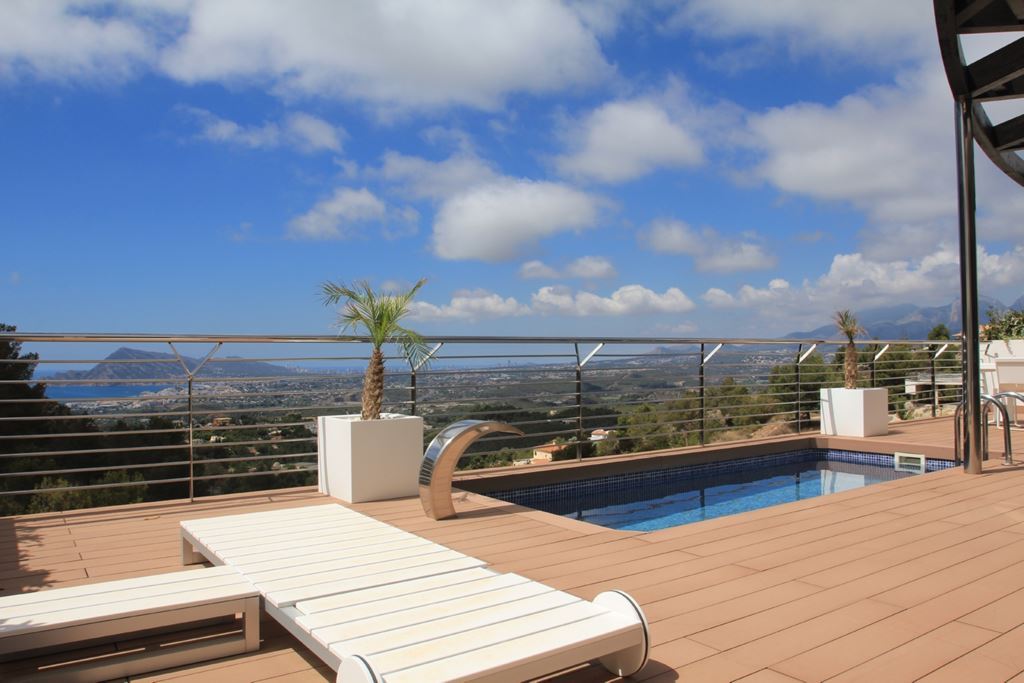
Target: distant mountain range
x,y
153,365
908,321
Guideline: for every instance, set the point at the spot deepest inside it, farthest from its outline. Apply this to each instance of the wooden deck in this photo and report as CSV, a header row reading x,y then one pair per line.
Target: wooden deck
x,y
920,578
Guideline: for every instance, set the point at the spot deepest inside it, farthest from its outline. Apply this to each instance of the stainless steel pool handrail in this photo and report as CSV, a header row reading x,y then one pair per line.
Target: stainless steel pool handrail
x,y
990,402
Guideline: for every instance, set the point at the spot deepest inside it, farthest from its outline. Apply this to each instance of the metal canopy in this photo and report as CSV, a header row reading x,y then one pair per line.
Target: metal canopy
x,y
998,75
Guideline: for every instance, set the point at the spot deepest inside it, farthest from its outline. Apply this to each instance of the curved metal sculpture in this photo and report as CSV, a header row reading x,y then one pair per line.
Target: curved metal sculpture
x,y
443,455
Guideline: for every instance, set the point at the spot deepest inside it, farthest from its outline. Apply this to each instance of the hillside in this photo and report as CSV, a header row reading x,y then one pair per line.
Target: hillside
x,y
907,321
156,365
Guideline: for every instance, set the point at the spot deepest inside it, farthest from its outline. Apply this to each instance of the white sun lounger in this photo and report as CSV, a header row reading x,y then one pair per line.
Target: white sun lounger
x,y
59,618
377,603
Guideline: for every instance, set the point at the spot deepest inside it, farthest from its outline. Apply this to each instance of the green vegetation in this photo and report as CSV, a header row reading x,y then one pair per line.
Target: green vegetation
x,y
380,316
1004,325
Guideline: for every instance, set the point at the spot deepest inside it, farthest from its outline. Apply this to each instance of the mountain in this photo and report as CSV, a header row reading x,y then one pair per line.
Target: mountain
x,y
156,366
907,321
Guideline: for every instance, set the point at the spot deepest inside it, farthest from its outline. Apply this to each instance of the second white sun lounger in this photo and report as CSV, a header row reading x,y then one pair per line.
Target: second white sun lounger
x,y
377,603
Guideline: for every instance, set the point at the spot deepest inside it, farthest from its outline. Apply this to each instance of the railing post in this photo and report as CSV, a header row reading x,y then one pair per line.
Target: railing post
x,y
799,360
579,412
874,361
191,447
703,402
935,389
412,391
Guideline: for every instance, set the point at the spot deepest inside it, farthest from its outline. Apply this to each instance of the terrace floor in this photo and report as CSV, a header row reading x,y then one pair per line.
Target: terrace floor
x,y
919,578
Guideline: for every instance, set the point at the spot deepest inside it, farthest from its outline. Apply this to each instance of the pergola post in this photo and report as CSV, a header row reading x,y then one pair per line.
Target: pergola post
x,y
969,349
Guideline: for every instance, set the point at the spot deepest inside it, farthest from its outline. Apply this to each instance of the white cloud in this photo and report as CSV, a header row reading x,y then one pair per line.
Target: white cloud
x,y
538,270
627,139
591,268
303,131
336,216
397,54
499,220
813,26
857,281
67,41
886,149
747,295
583,268
627,300
711,251
476,304
425,179
312,133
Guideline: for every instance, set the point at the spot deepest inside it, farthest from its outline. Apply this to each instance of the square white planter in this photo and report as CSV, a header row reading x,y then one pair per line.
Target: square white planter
x,y
854,412
365,460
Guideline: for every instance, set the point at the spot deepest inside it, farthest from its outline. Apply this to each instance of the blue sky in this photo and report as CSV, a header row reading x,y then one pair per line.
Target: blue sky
x,y
693,168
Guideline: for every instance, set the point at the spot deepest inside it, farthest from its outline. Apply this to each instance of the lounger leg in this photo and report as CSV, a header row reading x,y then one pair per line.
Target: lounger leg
x,y
629,661
355,669
251,624
189,554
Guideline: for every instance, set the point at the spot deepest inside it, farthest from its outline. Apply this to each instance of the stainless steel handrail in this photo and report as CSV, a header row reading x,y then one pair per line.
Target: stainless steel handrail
x,y
989,403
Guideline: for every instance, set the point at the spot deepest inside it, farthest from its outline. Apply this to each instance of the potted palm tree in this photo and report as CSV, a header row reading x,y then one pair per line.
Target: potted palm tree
x,y
850,410
372,456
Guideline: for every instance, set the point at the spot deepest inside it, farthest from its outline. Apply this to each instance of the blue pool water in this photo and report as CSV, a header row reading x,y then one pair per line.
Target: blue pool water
x,y
647,501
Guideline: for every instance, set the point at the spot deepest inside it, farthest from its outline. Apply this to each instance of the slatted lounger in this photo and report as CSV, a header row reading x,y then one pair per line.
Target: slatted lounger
x,y
377,603
58,617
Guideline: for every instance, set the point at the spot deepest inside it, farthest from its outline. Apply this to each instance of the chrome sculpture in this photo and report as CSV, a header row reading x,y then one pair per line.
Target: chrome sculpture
x,y
443,455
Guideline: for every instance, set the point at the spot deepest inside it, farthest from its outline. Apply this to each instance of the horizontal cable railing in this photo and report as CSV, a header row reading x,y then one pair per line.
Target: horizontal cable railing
x,y
100,419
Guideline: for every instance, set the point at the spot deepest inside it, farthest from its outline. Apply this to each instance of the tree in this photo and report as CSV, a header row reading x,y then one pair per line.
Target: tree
x,y
849,328
1004,325
380,315
939,332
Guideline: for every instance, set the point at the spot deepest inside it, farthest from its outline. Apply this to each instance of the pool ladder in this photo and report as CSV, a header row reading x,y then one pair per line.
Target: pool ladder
x,y
989,402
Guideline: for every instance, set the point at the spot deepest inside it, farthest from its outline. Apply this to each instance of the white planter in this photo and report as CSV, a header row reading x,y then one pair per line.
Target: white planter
x,y
854,412
365,460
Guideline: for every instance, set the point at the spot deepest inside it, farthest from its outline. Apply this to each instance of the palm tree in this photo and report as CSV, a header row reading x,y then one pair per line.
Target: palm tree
x,y
380,315
849,328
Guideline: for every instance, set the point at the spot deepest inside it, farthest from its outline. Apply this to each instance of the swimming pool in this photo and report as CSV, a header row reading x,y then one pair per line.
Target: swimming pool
x,y
658,499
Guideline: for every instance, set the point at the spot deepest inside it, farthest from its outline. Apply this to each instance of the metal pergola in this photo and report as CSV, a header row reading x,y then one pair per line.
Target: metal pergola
x,y
998,75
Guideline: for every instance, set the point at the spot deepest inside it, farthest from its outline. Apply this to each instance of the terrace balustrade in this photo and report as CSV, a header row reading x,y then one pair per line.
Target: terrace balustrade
x,y
204,427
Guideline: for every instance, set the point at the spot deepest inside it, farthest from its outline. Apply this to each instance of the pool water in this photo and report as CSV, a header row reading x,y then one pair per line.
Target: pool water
x,y
648,501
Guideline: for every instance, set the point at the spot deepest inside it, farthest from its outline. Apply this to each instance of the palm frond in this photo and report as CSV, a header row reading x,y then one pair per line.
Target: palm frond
x,y
847,324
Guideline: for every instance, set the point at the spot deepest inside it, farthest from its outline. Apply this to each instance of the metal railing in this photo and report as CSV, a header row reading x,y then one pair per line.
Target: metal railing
x,y
196,415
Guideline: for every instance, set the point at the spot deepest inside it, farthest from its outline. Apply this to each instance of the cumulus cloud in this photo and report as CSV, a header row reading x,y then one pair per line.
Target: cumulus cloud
x,y
425,179
711,251
303,131
479,304
65,40
747,295
627,300
583,268
336,217
538,270
499,220
858,281
391,55
811,26
475,304
591,268
627,139
882,149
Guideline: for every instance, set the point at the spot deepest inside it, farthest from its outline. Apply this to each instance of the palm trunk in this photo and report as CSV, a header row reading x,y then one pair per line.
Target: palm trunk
x,y
373,386
850,366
